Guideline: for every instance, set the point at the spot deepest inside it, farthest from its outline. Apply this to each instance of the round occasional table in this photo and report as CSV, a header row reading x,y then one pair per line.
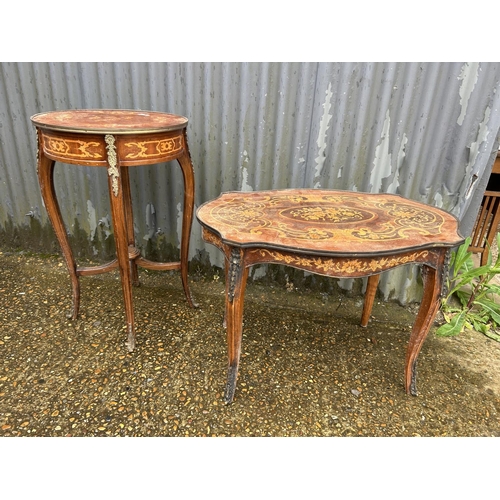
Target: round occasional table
x,y
332,233
115,140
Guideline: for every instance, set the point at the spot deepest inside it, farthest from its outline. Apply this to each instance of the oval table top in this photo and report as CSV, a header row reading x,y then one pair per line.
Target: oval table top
x,y
328,222
109,121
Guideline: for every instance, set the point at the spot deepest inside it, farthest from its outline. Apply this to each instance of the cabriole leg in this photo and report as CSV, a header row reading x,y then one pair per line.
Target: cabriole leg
x,y
235,291
46,180
129,222
429,306
118,213
187,219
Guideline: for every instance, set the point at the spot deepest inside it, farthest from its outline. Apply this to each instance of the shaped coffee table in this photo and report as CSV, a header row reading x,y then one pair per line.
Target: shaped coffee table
x,y
332,233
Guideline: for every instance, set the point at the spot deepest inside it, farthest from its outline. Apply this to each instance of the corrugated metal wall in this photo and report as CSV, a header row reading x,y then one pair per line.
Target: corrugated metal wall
x,y
427,131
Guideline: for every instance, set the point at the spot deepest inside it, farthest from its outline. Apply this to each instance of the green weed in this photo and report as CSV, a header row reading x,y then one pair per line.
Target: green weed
x,y
473,287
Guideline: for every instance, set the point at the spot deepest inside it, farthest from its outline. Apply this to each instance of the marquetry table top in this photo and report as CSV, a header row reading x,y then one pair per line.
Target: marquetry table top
x,y
328,222
109,121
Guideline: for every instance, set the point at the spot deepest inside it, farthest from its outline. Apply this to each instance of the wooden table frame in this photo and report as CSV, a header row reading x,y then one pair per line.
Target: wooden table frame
x,y
115,140
257,245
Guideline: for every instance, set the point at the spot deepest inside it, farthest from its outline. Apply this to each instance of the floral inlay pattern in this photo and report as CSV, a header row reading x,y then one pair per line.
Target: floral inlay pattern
x,y
251,217
344,267
327,214
73,148
327,220
346,216
152,148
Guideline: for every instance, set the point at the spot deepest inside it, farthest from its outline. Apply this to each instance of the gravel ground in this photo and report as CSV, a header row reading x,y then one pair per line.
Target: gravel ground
x,y
307,368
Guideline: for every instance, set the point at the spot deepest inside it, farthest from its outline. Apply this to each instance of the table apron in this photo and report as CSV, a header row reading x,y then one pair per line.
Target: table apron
x,y
132,149
332,266
341,266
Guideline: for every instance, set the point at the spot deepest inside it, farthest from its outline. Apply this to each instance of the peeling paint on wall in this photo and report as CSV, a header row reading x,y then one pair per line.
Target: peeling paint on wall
x,y
321,142
150,221
438,200
471,174
245,186
92,220
390,284
244,182
394,186
105,224
482,137
259,271
469,75
382,164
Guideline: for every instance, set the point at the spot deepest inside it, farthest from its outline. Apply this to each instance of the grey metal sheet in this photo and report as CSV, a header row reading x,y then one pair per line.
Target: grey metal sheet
x,y
423,130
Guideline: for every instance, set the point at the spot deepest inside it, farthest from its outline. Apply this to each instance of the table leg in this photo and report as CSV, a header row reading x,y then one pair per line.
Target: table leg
x,y
187,219
226,280
129,220
46,180
429,306
118,213
371,289
235,291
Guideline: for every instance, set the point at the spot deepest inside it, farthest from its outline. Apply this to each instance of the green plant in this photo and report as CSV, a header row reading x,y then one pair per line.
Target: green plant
x,y
473,286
